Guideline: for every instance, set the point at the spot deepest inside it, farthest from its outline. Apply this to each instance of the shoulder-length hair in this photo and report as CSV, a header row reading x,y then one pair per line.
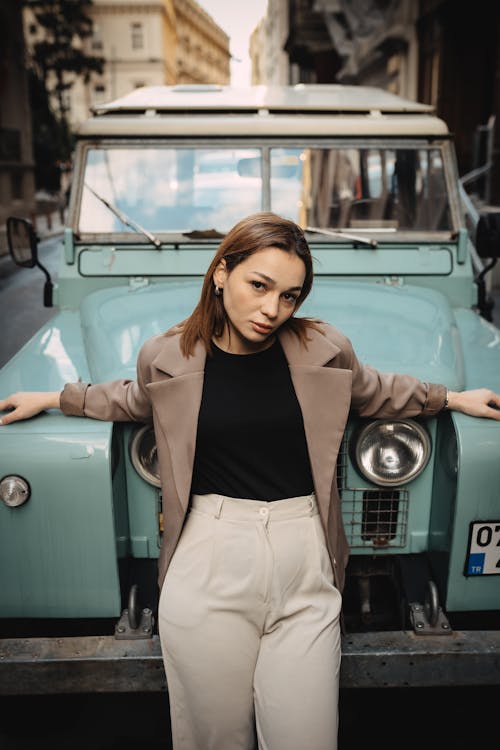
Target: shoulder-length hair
x,y
248,236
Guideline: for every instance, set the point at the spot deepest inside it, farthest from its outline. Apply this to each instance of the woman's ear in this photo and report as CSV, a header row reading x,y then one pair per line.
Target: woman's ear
x,y
220,274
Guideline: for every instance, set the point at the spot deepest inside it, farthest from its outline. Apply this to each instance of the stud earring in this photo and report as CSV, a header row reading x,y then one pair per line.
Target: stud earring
x,y
217,291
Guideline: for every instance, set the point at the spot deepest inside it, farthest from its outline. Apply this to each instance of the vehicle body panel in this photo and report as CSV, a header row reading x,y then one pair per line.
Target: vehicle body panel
x,y
373,179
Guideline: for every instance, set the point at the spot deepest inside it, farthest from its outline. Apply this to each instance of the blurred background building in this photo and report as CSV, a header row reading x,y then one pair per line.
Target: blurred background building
x,y
52,72
17,169
440,52
436,51
143,43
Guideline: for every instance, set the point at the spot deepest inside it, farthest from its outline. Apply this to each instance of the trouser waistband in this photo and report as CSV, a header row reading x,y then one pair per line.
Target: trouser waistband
x,y
242,509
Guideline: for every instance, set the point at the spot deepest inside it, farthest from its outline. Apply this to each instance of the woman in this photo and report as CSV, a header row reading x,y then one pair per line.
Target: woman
x,y
249,404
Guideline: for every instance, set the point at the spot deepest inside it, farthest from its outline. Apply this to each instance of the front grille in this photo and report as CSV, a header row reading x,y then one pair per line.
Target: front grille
x,y
375,518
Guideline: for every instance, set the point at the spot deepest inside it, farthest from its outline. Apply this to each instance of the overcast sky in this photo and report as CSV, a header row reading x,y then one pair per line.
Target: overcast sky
x,y
238,19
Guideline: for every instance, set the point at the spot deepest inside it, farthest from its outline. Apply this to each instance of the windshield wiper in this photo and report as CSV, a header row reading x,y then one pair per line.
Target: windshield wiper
x,y
342,235
125,219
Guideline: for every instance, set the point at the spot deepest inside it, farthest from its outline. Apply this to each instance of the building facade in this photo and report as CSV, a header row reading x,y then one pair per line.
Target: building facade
x,y
145,43
202,50
269,58
439,52
435,51
17,179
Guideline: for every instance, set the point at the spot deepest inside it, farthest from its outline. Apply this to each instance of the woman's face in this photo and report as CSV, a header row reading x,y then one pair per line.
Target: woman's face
x,y
259,295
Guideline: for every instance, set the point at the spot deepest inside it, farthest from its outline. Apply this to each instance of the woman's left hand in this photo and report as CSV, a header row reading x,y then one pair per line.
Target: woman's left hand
x,y
477,403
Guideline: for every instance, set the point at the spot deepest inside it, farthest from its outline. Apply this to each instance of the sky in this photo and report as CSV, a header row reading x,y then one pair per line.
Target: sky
x,y
238,19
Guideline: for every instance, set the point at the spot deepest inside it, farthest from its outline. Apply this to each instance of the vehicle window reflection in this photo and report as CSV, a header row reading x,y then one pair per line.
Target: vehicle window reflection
x,y
166,189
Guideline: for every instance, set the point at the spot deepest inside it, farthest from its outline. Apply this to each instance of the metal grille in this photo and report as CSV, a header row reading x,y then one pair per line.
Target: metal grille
x,y
375,518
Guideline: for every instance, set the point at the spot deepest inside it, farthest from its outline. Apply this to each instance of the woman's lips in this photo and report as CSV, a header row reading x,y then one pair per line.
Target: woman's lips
x,y
261,328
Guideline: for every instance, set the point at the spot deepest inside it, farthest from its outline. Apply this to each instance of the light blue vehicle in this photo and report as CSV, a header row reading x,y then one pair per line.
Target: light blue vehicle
x,y
159,176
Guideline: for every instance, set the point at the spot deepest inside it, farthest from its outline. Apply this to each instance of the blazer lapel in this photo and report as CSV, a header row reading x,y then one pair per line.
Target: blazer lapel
x,y
324,395
176,400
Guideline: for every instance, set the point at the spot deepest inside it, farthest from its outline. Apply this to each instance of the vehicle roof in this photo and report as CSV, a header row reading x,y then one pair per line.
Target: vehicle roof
x,y
305,97
262,110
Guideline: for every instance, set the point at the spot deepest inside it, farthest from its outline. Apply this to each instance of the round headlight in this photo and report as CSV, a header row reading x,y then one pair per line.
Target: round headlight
x,y
144,456
392,452
14,491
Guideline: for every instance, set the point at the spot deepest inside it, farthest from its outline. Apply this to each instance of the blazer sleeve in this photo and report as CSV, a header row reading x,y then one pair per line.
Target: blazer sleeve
x,y
115,400
391,395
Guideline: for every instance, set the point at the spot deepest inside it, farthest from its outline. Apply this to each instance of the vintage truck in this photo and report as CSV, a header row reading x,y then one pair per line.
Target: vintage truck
x,y
158,177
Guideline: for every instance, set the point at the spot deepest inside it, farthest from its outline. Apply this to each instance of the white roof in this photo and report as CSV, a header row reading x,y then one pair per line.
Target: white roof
x,y
304,110
302,97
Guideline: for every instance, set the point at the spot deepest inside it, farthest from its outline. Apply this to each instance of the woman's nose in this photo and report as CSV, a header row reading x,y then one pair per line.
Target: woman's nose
x,y
270,306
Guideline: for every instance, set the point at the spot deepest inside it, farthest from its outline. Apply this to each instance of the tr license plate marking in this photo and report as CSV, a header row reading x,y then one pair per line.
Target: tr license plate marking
x,y
483,558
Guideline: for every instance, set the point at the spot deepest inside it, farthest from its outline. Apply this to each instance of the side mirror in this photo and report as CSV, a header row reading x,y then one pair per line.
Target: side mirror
x,y
22,242
488,235
23,248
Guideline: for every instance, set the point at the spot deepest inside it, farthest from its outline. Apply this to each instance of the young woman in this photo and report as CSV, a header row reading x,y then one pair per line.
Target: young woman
x,y
249,404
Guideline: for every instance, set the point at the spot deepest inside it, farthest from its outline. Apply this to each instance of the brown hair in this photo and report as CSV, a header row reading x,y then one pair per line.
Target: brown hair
x,y
248,236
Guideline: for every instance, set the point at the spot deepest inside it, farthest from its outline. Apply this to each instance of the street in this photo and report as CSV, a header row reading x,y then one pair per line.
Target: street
x,y
406,719
21,298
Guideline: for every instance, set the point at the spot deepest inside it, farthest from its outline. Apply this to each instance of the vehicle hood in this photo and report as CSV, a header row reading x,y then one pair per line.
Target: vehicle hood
x,y
395,329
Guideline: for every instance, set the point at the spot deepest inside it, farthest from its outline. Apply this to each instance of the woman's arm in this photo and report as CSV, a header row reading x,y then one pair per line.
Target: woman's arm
x,y
392,395
113,401
27,404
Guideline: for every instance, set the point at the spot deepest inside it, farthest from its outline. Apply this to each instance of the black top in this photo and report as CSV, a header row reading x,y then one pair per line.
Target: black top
x,y
251,441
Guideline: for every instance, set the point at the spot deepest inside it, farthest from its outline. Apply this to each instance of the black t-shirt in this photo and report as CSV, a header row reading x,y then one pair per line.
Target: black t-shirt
x,y
250,441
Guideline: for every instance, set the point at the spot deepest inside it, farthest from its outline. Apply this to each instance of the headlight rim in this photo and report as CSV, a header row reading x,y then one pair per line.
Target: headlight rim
x,y
368,425
28,490
134,444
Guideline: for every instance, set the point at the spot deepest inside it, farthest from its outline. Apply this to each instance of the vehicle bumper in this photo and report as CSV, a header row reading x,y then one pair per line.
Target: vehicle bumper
x,y
102,664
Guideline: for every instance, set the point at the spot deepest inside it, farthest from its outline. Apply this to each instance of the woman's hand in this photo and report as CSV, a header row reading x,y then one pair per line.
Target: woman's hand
x,y
26,404
477,403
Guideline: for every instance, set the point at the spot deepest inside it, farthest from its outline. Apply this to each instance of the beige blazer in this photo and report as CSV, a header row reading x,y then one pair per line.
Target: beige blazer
x,y
328,380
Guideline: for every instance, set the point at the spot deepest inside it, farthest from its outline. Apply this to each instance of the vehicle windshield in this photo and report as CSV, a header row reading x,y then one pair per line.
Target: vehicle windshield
x,y
170,190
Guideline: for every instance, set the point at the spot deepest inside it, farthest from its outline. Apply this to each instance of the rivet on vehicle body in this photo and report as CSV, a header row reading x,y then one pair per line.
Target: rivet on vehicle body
x,y
445,626
420,624
146,629
120,629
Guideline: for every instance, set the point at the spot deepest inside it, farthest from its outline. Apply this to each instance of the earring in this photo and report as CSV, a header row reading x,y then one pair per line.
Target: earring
x,y
217,291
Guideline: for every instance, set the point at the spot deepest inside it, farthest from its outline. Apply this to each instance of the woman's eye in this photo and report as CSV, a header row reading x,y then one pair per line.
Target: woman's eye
x,y
290,297
257,284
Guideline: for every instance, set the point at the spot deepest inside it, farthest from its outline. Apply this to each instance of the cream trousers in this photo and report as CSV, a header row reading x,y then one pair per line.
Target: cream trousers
x,y
249,628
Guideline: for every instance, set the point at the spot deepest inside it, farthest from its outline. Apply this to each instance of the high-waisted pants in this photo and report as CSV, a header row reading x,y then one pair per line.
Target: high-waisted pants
x,y
249,628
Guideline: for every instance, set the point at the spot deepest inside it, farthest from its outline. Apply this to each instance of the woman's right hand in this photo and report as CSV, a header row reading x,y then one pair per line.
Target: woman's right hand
x,y
26,404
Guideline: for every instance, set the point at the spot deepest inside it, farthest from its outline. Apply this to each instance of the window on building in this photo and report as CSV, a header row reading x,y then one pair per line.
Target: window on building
x,y
99,93
96,38
16,185
137,36
10,144
66,100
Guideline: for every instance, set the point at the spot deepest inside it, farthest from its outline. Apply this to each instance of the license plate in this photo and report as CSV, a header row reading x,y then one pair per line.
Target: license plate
x,y
483,558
